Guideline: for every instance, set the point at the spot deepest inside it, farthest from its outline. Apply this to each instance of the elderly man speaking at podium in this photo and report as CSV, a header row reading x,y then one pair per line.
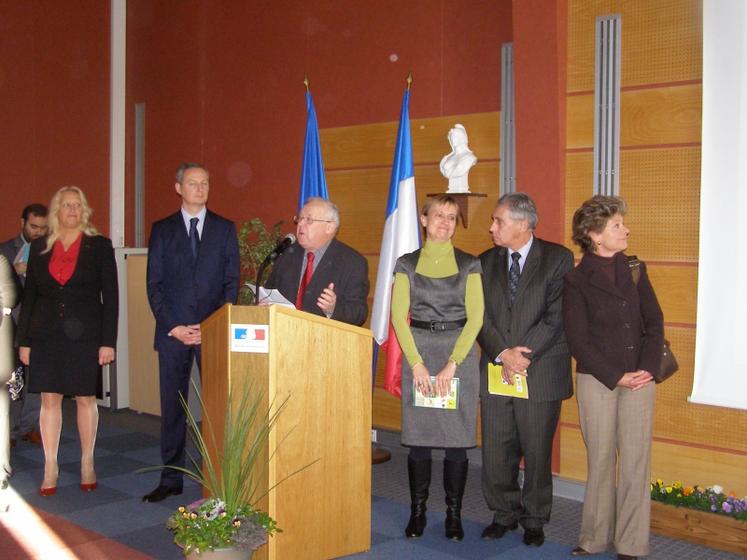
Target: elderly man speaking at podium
x,y
319,273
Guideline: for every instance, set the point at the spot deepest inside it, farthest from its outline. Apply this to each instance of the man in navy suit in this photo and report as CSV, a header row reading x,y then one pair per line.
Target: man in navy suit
x,y
336,275
193,269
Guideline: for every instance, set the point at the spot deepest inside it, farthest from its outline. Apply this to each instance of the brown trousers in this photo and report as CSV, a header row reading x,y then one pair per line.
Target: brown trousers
x,y
617,429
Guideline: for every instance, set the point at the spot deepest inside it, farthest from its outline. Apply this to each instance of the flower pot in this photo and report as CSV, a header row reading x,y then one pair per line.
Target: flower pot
x,y
221,554
700,527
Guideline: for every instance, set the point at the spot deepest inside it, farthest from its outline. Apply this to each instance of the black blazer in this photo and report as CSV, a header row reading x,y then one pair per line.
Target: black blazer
x,y
85,308
340,264
612,329
534,320
182,291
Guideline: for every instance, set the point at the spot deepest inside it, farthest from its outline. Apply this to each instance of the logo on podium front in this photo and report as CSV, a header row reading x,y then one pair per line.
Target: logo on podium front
x,y
250,338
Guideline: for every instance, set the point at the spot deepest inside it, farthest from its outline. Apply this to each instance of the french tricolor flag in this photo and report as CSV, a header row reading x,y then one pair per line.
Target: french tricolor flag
x,y
401,236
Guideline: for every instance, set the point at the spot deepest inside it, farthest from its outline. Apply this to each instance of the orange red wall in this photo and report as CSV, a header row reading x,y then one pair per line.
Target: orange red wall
x,y
54,102
223,83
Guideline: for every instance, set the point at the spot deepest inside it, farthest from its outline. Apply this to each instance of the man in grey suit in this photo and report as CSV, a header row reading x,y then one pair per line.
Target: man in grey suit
x,y
523,332
24,412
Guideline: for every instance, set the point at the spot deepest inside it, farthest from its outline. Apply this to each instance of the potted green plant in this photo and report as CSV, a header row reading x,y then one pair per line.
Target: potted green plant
x,y
256,241
227,524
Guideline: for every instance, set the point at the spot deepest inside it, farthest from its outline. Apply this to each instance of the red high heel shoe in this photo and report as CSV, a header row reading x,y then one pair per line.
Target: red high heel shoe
x,y
90,487
46,492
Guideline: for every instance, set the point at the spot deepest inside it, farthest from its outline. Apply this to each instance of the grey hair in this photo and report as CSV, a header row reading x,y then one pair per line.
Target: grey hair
x,y
188,165
521,206
333,212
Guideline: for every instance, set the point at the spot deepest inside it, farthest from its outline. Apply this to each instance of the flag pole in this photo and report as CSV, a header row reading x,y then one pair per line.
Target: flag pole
x,y
407,232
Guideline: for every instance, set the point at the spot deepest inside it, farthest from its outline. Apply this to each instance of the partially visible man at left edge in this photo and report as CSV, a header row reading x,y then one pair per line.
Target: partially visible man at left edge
x,y
24,412
193,269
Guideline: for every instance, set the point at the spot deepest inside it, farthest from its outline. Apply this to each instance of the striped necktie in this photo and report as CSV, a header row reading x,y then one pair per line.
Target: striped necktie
x,y
513,275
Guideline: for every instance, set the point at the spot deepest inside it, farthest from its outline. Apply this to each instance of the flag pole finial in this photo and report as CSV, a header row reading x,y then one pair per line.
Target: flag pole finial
x,y
409,81
306,82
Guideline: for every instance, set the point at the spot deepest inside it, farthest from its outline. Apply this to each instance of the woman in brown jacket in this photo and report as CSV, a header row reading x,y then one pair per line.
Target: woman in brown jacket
x,y
615,331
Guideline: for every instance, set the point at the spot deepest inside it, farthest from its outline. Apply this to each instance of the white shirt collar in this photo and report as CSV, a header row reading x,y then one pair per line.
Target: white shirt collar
x,y
186,216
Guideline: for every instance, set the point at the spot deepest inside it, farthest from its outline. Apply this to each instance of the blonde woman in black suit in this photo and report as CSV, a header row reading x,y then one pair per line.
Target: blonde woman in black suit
x,y
615,329
67,328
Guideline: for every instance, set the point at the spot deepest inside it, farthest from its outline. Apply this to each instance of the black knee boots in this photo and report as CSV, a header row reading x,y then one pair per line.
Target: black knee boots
x,y
419,473
455,478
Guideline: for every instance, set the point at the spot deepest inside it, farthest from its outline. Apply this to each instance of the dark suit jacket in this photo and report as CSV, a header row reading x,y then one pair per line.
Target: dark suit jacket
x,y
85,309
612,329
182,291
534,320
340,264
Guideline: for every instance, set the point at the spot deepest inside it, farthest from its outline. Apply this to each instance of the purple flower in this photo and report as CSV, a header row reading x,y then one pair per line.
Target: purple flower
x,y
726,506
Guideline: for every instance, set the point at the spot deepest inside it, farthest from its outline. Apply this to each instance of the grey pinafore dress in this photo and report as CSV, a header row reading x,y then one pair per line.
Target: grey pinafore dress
x,y
440,299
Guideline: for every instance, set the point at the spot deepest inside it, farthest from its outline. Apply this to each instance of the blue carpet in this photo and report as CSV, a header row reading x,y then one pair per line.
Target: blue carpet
x,y
128,441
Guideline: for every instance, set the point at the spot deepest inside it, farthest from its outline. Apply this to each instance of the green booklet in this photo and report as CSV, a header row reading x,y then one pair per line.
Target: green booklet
x,y
449,402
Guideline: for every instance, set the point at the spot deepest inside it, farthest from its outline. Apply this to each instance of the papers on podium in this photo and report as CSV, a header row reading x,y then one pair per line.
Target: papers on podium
x,y
269,297
498,386
449,402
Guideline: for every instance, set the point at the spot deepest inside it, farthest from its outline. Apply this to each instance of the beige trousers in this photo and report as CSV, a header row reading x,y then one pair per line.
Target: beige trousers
x,y
617,429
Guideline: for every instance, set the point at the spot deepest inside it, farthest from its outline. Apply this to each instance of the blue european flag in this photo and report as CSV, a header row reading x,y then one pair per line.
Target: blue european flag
x,y
313,182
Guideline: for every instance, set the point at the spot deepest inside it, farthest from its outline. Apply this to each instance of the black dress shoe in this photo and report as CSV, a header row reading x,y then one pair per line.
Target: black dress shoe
x,y
161,493
496,530
626,557
579,551
534,537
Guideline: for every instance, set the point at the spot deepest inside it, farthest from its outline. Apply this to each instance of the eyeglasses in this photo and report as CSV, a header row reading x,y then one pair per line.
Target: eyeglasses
x,y
71,205
308,220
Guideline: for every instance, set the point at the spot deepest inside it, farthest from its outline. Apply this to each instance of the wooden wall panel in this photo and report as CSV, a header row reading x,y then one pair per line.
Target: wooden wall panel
x,y
361,197
373,145
660,180
661,41
676,287
687,464
664,115
661,187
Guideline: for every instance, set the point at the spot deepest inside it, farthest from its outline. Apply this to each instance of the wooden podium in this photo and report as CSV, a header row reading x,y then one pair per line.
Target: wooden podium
x,y
324,366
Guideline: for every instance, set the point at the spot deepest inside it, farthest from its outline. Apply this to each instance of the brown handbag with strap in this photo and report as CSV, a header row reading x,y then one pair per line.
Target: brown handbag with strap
x,y
669,363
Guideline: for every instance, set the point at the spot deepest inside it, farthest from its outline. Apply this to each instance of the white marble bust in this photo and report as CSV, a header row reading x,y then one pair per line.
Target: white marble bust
x,y
456,165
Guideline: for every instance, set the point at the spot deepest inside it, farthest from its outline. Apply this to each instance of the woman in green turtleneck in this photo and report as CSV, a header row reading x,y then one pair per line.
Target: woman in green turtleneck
x,y
440,287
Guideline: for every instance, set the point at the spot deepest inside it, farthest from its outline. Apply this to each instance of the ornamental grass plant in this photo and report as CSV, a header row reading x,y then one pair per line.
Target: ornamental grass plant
x,y
229,517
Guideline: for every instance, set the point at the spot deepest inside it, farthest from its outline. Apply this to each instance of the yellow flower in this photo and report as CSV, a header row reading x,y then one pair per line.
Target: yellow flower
x,y
660,482
237,523
677,484
669,489
193,515
182,509
185,515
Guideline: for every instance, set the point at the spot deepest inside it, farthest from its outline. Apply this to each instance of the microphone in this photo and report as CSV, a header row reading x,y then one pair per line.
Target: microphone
x,y
282,245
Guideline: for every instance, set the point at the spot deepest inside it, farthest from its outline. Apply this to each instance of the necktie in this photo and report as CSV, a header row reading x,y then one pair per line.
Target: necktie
x,y
305,280
194,239
513,274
